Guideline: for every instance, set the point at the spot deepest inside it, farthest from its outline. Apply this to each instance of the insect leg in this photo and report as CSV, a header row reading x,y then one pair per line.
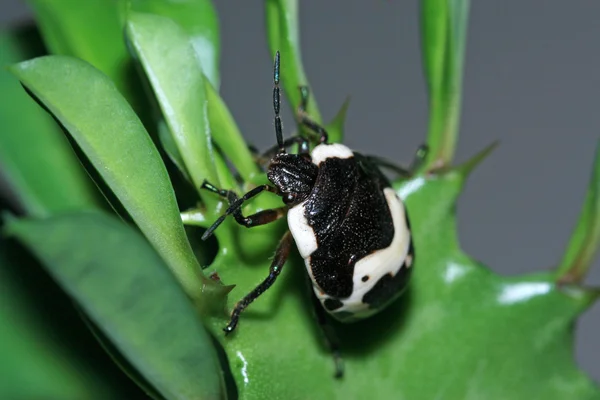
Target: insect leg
x,y
329,335
281,255
382,162
419,157
305,120
260,218
301,140
236,205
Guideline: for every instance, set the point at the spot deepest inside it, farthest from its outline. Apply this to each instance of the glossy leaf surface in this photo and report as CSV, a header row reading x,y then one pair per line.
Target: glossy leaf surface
x,y
176,78
113,138
475,334
199,20
227,135
283,34
124,287
90,30
93,31
39,360
36,160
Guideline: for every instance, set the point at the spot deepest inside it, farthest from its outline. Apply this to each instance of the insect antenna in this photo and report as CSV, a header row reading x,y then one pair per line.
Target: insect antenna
x,y
277,104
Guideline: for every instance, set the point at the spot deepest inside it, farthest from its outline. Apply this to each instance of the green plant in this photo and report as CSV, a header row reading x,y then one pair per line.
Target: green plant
x,y
148,125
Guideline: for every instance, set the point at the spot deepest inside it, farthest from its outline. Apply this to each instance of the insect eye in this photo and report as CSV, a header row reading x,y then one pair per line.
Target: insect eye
x,y
289,198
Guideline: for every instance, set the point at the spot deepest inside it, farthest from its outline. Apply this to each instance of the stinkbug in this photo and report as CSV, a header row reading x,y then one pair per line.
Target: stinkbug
x,y
349,225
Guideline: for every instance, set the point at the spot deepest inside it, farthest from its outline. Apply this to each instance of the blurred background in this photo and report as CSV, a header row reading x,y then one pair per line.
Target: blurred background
x,y
531,82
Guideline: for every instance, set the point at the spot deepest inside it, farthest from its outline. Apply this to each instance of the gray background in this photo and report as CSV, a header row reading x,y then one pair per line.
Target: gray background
x,y
532,81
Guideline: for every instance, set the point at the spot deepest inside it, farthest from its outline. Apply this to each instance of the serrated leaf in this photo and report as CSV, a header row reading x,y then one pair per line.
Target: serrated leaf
x,y
335,128
36,160
113,138
476,334
469,166
585,239
125,288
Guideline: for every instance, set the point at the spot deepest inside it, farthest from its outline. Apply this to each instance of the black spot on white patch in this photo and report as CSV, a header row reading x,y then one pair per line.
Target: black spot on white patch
x,y
389,286
332,304
350,217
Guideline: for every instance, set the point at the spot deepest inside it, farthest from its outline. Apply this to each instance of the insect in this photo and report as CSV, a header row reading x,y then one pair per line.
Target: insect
x,y
348,224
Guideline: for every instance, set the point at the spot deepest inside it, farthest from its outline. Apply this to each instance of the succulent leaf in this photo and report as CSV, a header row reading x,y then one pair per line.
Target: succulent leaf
x,y
443,31
283,35
228,137
124,287
585,240
173,70
473,333
335,128
510,332
199,21
113,138
43,174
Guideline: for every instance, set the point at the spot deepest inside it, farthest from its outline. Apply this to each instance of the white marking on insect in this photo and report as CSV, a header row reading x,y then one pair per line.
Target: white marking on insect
x,y
325,151
303,234
408,261
379,263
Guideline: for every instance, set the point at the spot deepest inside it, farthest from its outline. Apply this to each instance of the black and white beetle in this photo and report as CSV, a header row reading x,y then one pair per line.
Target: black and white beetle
x,y
348,224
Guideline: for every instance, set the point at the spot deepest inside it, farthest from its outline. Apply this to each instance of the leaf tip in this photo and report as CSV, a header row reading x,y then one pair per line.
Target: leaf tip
x,y
466,168
585,239
335,128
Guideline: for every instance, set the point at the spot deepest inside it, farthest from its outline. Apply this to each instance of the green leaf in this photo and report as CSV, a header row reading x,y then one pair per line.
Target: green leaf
x,y
283,34
224,172
92,31
170,147
513,335
195,217
583,246
36,160
335,128
227,135
199,21
176,77
443,30
30,369
125,288
38,359
113,138
434,37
